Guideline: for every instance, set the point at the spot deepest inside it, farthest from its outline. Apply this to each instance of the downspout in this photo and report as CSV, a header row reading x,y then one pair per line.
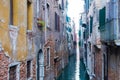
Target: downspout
x,y
45,18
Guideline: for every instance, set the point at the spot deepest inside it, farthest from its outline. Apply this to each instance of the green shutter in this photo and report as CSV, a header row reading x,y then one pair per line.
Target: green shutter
x,y
86,32
102,16
79,33
91,24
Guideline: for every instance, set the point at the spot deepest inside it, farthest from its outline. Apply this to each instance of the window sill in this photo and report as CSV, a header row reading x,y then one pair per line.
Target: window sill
x,y
48,68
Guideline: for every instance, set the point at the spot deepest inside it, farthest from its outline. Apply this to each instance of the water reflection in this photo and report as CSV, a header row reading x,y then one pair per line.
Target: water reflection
x,y
83,72
72,71
69,71
77,70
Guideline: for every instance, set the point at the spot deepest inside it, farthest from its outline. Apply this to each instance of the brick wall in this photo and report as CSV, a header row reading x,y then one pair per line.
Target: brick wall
x,y
4,68
61,62
98,65
113,63
49,72
34,69
55,68
23,70
4,62
110,67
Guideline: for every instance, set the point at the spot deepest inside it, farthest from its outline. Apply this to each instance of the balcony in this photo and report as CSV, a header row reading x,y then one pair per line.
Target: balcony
x,y
109,31
110,23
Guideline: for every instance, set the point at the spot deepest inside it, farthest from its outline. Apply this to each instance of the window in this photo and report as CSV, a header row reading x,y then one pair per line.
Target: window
x,y
102,16
48,12
14,12
12,73
62,4
29,69
57,22
48,57
29,15
11,12
91,24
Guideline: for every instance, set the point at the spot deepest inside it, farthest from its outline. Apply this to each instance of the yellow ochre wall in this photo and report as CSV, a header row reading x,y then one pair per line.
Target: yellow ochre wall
x,y
19,20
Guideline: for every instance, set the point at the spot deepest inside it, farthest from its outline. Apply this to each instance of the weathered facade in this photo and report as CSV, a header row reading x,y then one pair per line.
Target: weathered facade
x,y
50,40
33,40
71,35
17,57
101,39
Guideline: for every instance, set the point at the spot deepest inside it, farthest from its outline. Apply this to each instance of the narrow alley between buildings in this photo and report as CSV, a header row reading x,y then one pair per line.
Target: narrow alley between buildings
x,y
59,39
75,70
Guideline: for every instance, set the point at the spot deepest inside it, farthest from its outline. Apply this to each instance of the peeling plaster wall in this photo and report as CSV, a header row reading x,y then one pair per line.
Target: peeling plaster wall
x,y
4,16
19,20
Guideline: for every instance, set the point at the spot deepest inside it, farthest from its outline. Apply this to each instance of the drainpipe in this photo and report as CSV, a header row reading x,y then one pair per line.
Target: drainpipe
x,y
117,4
45,18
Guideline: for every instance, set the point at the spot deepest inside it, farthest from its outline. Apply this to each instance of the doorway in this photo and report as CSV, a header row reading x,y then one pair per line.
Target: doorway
x,y
40,65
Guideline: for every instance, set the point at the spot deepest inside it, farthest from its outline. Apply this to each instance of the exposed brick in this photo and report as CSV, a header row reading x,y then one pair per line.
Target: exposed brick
x,y
113,63
34,69
98,65
23,70
49,73
4,62
4,68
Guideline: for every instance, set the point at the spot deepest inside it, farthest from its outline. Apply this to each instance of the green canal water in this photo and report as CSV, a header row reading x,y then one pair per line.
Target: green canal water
x,y
75,70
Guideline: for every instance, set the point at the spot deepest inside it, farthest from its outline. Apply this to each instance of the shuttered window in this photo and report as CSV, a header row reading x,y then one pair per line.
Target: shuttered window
x,y
11,12
102,17
91,24
57,22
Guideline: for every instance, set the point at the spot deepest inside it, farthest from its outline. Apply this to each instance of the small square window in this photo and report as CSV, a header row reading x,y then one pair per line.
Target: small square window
x,y
12,73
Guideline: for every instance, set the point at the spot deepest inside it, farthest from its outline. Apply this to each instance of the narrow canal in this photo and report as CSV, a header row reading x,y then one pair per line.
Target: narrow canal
x,y
75,70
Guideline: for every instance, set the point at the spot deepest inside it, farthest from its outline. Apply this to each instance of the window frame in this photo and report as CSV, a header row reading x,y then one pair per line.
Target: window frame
x,y
48,14
48,57
57,22
17,64
11,13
